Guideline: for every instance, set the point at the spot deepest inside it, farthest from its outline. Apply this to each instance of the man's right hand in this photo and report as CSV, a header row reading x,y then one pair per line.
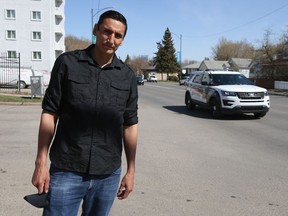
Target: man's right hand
x,y
41,175
41,178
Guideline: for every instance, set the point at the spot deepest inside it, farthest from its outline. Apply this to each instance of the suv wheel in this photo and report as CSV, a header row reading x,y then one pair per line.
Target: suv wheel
x,y
215,107
189,103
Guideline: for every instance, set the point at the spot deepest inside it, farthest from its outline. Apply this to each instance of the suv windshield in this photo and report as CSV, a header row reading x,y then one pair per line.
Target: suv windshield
x,y
230,79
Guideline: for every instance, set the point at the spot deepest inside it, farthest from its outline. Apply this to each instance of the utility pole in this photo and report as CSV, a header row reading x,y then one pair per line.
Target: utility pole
x,y
92,18
180,54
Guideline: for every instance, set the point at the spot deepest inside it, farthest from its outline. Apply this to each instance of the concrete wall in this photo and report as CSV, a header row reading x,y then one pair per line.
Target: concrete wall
x,y
281,85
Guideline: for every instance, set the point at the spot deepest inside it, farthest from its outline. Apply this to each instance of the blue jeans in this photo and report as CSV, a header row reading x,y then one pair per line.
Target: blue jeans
x,y
68,189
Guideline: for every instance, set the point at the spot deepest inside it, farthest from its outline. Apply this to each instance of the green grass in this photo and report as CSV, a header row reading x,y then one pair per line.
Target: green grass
x,y
18,98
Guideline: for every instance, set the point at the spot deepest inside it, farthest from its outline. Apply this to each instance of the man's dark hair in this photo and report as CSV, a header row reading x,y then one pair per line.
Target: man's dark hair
x,y
113,15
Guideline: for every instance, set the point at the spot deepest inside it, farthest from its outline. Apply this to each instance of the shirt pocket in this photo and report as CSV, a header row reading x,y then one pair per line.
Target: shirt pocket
x,y
78,87
119,93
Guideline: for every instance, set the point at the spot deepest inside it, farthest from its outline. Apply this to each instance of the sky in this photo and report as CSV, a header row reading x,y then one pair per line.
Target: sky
x,y
200,23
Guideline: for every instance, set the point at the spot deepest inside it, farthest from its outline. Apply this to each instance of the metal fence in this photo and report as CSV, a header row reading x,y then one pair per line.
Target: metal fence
x,y
9,72
281,85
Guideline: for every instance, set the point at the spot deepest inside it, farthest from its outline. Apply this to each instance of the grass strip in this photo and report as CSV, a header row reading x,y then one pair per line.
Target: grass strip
x,y
8,98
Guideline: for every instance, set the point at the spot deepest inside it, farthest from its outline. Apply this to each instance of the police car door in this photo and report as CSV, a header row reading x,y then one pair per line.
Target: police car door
x,y
204,87
196,86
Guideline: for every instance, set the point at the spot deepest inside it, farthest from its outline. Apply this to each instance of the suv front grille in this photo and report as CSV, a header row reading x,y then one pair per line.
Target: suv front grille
x,y
251,95
247,108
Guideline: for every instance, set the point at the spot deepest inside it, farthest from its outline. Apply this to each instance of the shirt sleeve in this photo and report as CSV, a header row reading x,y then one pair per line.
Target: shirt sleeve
x,y
131,112
52,98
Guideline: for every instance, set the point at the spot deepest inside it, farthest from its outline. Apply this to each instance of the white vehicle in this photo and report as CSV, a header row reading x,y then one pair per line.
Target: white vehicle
x,y
183,79
152,78
226,92
9,77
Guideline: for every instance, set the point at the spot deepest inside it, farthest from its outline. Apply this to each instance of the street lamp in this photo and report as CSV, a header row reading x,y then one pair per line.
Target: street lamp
x,y
180,55
93,15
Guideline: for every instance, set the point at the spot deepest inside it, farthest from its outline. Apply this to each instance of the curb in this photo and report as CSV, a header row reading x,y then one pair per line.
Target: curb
x,y
20,103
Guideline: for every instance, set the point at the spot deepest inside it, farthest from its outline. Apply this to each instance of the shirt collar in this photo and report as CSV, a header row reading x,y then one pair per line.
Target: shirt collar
x,y
85,55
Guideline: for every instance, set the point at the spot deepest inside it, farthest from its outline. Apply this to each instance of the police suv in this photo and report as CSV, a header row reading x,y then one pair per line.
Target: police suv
x,y
226,92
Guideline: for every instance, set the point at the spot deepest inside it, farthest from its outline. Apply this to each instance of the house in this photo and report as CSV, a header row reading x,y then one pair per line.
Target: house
x,y
241,65
277,70
214,65
191,67
152,71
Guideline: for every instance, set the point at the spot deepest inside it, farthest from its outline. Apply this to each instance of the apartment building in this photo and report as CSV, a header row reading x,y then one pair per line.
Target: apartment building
x,y
34,29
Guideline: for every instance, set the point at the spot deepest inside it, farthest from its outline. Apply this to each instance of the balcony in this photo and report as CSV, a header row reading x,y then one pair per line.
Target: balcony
x,y
58,3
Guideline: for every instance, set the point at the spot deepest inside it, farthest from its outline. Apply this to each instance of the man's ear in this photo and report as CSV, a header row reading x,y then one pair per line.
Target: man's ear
x,y
95,29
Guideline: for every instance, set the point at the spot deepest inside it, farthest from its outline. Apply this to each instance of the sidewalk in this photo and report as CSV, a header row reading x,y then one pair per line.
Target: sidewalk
x,y
280,92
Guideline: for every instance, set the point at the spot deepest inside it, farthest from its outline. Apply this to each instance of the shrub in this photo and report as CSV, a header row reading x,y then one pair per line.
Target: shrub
x,y
173,78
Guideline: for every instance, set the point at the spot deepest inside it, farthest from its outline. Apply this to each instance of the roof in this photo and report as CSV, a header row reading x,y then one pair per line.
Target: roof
x,y
240,62
215,65
224,72
194,65
150,68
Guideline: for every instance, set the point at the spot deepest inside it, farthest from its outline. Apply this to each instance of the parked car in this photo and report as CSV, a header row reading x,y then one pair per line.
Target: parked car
x,y
183,79
189,78
140,80
226,92
152,78
9,77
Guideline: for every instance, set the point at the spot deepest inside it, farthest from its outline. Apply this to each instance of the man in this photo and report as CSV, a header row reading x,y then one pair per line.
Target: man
x,y
89,108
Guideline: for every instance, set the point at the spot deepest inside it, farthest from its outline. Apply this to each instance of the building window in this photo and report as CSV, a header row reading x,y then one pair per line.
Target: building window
x,y
36,15
36,36
36,55
11,34
11,54
10,14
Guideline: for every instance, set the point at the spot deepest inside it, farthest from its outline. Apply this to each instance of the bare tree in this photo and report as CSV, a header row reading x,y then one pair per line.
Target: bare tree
x,y
137,63
271,56
74,43
282,47
226,49
266,55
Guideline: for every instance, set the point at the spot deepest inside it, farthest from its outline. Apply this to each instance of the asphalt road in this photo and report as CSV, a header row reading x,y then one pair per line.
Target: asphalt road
x,y
187,162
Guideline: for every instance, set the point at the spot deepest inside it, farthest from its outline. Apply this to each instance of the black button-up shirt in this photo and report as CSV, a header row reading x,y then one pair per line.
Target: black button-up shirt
x,y
92,104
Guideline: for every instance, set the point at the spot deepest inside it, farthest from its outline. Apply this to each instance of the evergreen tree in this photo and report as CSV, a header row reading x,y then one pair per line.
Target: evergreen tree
x,y
165,60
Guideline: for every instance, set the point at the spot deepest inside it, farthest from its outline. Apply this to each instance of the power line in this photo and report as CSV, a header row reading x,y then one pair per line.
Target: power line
x,y
245,24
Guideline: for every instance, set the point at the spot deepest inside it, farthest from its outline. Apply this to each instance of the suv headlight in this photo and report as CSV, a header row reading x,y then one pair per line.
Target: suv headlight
x,y
266,93
227,93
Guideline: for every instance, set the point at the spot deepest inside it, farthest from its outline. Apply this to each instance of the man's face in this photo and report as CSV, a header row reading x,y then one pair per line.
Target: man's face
x,y
110,35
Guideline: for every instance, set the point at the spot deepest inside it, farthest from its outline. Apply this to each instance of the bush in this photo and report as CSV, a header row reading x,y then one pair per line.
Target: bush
x,y
173,78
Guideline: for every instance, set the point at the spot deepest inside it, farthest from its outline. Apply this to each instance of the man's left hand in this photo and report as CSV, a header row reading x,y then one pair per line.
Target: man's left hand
x,y
126,186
